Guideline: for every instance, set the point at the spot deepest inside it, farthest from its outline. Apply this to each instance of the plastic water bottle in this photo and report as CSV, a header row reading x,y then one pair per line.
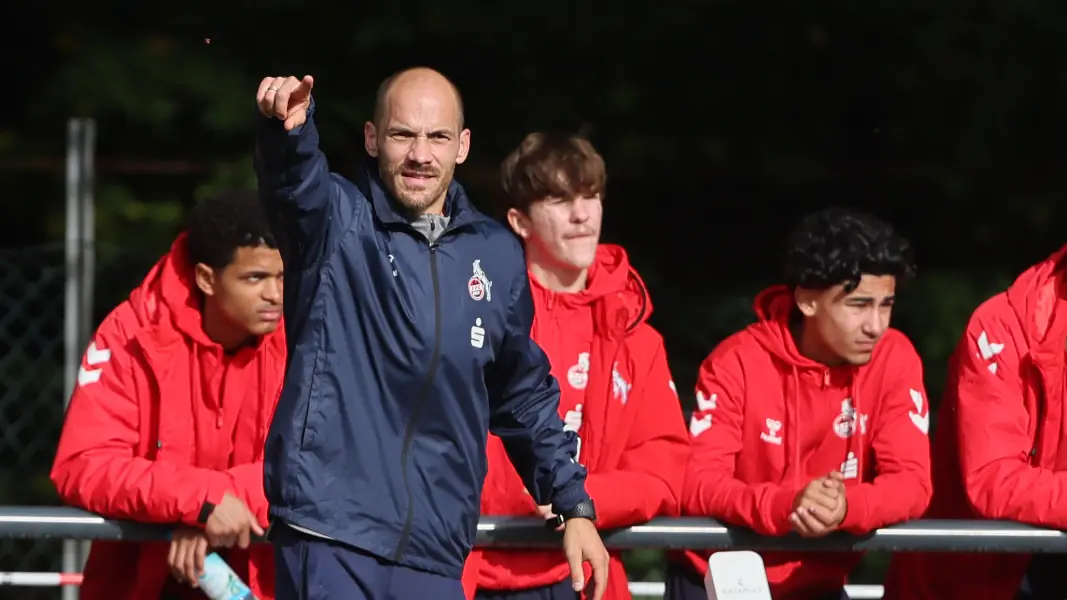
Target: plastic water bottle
x,y
219,582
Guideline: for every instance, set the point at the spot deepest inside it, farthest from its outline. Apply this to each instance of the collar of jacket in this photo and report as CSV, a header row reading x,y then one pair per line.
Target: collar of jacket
x,y
458,207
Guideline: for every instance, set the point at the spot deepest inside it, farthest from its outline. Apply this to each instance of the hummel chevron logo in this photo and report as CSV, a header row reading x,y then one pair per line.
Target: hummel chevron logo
x,y
989,351
93,357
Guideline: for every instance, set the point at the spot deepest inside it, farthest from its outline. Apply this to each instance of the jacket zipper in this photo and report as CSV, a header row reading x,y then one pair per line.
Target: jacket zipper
x,y
424,395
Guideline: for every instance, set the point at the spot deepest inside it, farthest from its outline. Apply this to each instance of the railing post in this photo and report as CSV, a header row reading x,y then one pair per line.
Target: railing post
x,y
78,297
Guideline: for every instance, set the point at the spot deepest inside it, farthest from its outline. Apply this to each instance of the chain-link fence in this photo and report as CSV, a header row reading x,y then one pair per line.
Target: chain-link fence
x,y
31,394
32,294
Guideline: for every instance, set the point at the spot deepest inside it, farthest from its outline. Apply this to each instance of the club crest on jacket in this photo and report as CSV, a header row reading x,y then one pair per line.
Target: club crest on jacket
x,y
479,285
578,374
845,423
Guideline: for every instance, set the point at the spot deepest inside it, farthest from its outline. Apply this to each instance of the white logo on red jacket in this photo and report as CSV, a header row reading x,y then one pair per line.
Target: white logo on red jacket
x,y
771,435
93,357
989,351
705,402
620,385
573,420
920,420
578,374
845,423
705,405
479,285
850,468
699,426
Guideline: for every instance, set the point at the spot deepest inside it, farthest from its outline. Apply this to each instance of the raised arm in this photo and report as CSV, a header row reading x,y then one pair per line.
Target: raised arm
x,y
294,178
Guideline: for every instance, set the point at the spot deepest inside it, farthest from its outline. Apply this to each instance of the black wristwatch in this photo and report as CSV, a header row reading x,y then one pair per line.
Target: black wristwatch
x,y
583,510
205,512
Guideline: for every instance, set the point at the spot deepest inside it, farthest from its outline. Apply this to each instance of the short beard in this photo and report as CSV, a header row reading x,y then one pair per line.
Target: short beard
x,y
413,207
418,205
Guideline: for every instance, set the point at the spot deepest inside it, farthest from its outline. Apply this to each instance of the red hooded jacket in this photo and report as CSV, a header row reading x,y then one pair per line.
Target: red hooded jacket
x,y
162,420
769,421
617,393
998,451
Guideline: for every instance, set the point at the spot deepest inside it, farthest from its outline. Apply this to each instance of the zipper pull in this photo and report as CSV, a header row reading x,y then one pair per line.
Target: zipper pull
x,y
218,419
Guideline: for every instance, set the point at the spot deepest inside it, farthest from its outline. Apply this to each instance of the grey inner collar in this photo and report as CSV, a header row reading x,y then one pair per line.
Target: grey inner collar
x,y
430,226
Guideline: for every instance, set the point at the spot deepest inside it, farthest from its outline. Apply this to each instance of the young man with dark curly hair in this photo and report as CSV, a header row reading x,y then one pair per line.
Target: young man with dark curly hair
x,y
172,405
813,419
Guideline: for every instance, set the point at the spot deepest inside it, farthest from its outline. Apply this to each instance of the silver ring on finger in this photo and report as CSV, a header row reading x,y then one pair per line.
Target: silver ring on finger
x,y
272,88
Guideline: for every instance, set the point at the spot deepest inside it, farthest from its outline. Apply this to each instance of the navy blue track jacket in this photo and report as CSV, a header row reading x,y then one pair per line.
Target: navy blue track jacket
x,y
402,355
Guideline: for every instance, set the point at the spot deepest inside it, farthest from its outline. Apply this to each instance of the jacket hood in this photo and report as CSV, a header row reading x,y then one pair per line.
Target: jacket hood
x,y
774,309
614,288
1035,294
168,296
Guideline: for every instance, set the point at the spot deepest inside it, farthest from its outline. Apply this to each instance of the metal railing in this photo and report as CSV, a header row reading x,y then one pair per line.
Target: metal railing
x,y
22,522
36,522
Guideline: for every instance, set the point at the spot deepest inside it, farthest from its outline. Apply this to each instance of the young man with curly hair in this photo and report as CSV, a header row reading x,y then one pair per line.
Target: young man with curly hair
x,y
172,405
813,419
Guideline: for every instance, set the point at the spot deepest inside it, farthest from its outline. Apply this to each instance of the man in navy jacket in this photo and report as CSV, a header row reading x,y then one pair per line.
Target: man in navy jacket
x,y
408,316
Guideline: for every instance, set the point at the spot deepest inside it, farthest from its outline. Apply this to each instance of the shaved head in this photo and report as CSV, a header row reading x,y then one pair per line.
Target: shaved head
x,y
416,79
417,135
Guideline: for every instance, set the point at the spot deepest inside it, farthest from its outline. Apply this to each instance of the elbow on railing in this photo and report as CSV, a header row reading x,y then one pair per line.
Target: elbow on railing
x,y
922,500
64,479
989,494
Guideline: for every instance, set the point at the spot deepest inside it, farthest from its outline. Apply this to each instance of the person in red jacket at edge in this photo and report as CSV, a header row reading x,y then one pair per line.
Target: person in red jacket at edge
x,y
590,317
171,408
814,419
999,450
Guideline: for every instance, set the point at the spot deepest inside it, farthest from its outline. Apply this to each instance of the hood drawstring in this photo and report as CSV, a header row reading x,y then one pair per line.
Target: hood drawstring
x,y
263,417
856,444
794,435
196,388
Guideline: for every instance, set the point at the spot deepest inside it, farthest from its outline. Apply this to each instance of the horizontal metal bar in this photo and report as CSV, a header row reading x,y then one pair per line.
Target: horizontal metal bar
x,y
674,534
708,534
62,522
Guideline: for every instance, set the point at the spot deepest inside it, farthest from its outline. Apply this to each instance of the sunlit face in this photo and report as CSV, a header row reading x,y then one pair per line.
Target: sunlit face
x,y
248,291
418,144
848,325
563,232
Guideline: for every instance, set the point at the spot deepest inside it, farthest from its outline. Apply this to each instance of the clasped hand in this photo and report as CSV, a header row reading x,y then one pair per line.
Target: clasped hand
x,y
820,507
